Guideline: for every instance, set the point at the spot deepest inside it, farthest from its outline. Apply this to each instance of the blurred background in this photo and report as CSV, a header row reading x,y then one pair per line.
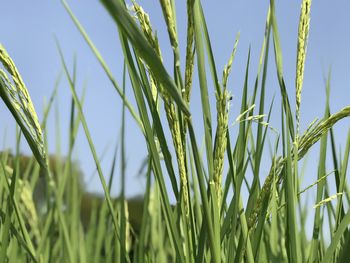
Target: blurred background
x,y
28,30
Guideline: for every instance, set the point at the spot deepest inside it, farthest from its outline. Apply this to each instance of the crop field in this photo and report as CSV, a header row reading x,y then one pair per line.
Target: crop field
x,y
214,191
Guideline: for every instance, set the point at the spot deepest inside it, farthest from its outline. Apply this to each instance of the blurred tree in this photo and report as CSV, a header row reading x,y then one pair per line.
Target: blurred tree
x,y
33,176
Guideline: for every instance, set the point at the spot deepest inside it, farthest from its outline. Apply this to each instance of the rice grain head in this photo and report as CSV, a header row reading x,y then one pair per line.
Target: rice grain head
x,y
26,203
221,141
303,33
306,141
146,28
174,125
228,66
17,99
170,22
156,87
189,52
169,105
327,200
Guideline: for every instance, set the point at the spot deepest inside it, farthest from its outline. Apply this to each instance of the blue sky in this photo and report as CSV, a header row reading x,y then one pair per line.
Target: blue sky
x,y
28,29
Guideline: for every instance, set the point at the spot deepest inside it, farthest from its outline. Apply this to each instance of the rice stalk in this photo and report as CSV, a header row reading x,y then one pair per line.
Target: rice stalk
x,y
169,105
140,94
172,117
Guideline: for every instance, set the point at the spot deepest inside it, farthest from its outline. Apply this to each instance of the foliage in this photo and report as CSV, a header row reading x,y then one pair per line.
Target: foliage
x,y
207,223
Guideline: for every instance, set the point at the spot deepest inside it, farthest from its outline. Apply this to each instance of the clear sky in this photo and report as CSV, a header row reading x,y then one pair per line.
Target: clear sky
x,y
28,28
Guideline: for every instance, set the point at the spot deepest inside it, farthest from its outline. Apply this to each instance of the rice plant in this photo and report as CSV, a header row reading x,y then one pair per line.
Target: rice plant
x,y
219,214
